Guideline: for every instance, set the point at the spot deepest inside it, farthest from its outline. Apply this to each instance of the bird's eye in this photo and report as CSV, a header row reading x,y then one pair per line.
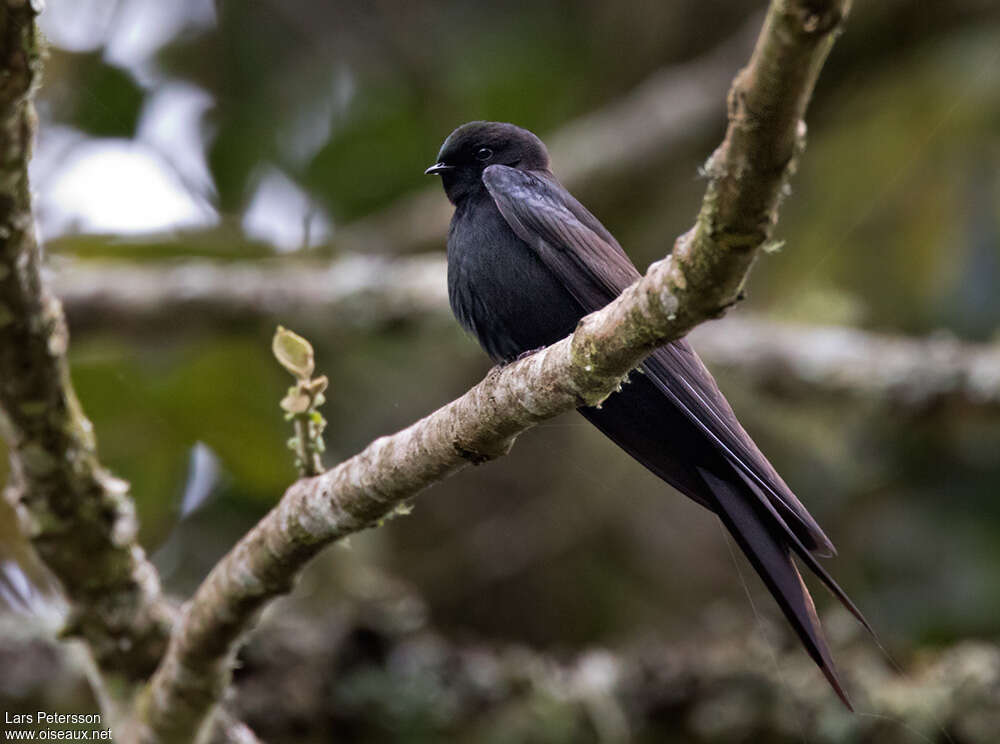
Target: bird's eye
x,y
484,153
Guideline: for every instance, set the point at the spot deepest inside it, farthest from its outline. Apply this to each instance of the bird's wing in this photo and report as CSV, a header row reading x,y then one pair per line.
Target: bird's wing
x,y
595,269
679,372
568,238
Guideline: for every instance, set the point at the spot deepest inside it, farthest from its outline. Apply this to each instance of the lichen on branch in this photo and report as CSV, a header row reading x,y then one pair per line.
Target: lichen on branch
x,y
79,517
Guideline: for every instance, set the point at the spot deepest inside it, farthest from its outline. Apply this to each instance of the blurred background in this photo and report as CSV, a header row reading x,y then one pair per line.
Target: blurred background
x,y
205,171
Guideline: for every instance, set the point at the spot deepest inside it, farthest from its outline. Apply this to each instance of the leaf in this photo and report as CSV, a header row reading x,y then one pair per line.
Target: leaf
x,y
295,402
318,386
294,353
99,98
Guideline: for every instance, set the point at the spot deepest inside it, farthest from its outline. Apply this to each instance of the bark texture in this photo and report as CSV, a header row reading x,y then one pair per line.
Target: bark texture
x,y
78,516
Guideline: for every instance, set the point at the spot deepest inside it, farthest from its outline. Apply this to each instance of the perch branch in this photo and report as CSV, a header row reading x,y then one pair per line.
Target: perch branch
x,y
699,280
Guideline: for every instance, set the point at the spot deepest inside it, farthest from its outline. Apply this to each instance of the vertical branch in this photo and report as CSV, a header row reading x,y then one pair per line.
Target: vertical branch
x,y
78,516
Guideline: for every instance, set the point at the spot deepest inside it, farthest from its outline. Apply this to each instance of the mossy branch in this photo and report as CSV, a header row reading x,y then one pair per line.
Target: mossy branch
x,y
699,280
79,518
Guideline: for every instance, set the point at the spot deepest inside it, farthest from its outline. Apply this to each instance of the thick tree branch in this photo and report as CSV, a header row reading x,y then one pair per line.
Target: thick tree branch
x,y
699,280
77,515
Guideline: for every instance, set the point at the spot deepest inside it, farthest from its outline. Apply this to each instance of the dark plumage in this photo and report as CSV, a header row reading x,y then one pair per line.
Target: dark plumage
x,y
525,262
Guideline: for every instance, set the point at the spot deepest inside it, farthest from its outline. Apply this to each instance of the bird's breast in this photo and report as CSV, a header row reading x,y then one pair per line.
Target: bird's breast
x,y
499,289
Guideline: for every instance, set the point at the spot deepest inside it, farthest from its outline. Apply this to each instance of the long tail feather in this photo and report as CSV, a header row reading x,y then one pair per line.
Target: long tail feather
x,y
809,558
770,555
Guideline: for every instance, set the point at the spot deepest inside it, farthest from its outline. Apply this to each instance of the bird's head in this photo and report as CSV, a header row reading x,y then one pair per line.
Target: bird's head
x,y
473,147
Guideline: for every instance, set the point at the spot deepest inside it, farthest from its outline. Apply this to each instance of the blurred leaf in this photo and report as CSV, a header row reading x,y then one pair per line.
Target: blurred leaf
x,y
251,49
95,97
150,404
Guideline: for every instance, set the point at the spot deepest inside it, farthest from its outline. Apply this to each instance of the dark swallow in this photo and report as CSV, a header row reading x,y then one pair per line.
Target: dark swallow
x,y
526,261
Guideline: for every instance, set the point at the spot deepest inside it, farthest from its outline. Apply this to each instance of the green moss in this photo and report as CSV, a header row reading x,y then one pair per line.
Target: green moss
x,y
34,408
37,461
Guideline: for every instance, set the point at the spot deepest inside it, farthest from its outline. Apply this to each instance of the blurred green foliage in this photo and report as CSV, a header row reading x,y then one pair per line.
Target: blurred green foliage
x,y
98,98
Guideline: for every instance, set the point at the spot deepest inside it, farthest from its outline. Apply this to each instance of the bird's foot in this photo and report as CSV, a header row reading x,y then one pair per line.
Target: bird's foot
x,y
526,354
522,355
